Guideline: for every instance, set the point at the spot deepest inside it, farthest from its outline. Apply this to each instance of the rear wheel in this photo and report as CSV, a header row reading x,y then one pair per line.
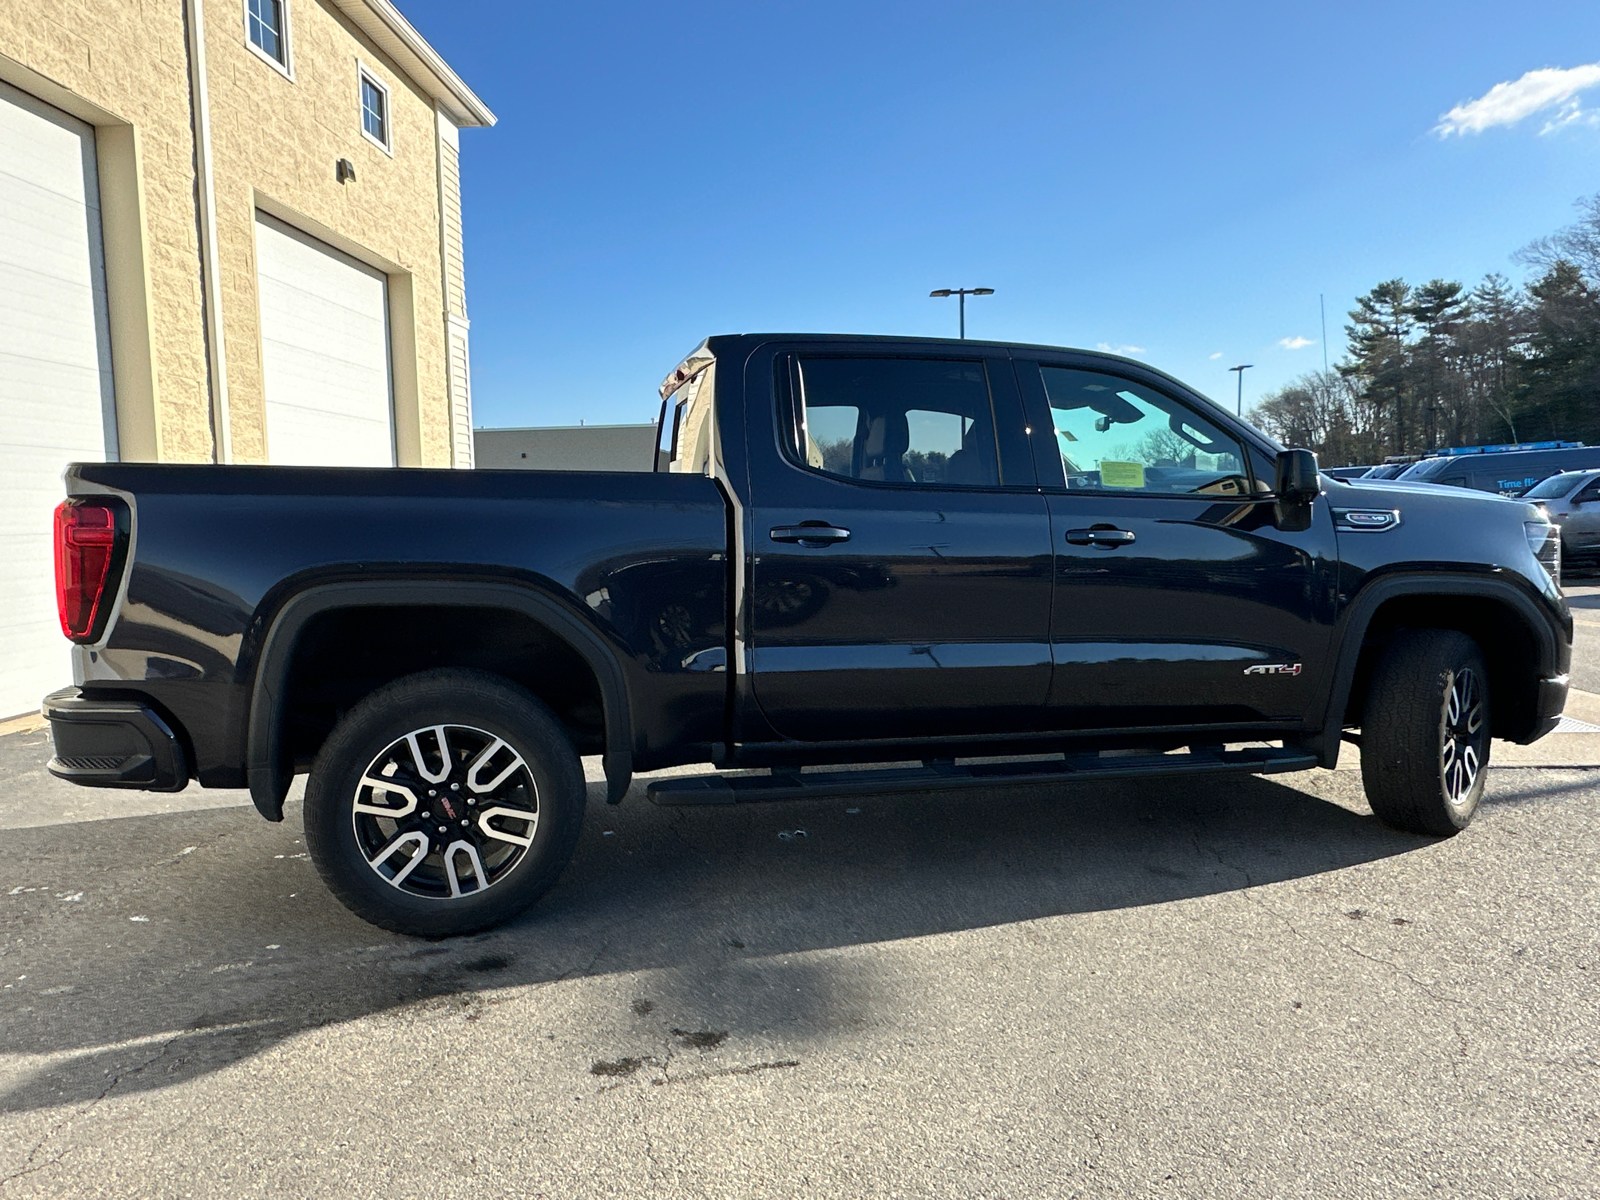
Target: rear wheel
x,y
444,803
1425,732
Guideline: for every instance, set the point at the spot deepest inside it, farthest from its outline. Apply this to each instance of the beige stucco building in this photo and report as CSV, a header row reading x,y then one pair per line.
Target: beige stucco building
x,y
230,231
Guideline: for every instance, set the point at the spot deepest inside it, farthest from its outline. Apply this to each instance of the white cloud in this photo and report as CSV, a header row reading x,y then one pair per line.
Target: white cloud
x,y
1216,356
1512,101
1108,348
1296,342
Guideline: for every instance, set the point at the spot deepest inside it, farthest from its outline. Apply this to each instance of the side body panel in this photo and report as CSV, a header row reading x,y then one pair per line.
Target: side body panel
x,y
1213,615
640,558
1013,638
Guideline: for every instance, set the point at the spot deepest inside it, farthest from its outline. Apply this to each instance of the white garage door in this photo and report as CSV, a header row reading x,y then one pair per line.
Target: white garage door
x,y
325,350
55,373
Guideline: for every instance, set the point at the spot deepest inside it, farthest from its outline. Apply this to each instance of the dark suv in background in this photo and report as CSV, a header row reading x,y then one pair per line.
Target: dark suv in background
x,y
1506,472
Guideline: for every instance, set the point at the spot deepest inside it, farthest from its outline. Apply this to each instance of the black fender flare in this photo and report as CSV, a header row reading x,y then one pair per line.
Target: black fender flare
x,y
1363,607
266,769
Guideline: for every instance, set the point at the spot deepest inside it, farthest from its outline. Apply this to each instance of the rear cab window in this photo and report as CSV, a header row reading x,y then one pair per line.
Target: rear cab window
x,y
686,432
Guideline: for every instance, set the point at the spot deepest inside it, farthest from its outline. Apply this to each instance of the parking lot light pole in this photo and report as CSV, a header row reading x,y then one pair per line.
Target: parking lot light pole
x,y
963,293
1241,368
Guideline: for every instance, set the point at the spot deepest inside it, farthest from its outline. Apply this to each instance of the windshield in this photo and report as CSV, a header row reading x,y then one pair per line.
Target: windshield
x,y
1553,488
1421,470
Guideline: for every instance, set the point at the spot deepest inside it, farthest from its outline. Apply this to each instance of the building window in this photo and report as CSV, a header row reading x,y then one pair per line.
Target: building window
x,y
374,110
266,23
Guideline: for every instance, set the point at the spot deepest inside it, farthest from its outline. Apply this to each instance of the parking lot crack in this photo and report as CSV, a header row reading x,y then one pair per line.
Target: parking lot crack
x,y
28,1165
579,973
1427,989
1202,851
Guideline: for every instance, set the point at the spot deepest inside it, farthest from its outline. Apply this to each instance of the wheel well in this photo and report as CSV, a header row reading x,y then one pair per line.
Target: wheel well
x,y
1509,648
344,654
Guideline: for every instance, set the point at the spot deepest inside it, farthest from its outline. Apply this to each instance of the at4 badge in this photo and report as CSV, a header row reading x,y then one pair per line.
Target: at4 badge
x,y
1273,669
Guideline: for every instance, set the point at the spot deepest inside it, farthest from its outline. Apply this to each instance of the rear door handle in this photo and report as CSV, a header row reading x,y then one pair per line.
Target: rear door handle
x,y
1100,536
810,535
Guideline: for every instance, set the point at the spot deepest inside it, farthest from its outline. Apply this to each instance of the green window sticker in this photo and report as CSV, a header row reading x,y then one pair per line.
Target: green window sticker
x,y
1121,474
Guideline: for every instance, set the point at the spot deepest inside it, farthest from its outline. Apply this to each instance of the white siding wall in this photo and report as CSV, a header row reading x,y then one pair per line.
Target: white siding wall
x,y
56,403
452,251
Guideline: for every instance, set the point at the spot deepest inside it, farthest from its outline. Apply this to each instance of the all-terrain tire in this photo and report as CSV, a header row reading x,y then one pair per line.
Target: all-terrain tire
x,y
401,825
1425,732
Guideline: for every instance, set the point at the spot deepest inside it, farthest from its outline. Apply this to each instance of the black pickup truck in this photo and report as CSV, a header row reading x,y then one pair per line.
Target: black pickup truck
x,y
1008,564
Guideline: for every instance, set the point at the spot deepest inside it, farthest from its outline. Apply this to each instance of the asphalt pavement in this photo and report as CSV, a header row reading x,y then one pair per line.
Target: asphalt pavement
x,y
1194,988
1583,597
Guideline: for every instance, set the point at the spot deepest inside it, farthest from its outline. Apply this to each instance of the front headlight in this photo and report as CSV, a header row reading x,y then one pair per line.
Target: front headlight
x,y
1544,540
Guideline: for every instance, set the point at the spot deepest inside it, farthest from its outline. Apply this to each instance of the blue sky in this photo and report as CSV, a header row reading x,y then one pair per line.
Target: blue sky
x,y
1180,178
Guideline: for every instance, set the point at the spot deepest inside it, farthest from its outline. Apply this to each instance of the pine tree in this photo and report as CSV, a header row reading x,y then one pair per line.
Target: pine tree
x,y
1489,340
1439,309
1381,322
1560,368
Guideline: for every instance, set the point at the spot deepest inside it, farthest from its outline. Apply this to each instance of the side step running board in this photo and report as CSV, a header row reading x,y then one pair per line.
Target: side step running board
x,y
794,785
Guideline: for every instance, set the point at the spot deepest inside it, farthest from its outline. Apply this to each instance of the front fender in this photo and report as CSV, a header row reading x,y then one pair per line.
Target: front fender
x,y
1551,635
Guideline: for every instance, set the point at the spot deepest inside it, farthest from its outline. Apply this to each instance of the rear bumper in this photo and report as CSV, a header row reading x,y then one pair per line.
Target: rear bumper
x,y
1551,701
113,743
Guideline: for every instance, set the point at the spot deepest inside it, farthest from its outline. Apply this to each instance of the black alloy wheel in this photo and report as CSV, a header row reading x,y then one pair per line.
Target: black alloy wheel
x,y
444,803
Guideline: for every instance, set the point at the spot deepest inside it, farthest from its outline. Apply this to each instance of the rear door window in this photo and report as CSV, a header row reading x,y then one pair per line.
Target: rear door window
x,y
918,422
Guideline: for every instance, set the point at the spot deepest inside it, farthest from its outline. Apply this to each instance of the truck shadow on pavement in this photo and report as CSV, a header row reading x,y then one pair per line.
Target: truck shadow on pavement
x,y
147,951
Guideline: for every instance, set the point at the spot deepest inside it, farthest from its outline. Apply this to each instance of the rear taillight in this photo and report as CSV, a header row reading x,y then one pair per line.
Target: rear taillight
x,y
86,537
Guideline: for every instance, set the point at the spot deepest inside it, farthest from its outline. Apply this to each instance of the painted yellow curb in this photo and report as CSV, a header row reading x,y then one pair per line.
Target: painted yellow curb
x,y
26,723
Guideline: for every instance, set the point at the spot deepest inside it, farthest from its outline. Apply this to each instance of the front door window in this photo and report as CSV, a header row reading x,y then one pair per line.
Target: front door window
x,y
1117,435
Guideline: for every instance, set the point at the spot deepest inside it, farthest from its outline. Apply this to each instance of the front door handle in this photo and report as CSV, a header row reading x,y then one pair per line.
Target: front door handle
x,y
1100,535
808,534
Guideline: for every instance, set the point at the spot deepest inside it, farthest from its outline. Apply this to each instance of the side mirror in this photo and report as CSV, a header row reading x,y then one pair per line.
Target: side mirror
x,y
1297,486
1297,476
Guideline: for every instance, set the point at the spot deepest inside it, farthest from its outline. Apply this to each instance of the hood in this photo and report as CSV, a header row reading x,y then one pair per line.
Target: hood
x,y
1427,497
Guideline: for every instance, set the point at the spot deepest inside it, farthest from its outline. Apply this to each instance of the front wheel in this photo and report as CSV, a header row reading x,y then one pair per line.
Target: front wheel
x,y
444,803
1425,732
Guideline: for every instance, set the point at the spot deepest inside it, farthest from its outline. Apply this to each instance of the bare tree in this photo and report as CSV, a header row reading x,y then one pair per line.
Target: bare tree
x,y
1327,412
1578,244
